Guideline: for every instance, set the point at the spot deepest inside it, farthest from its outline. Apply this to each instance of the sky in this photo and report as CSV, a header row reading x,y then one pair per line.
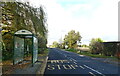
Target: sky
x,y
92,18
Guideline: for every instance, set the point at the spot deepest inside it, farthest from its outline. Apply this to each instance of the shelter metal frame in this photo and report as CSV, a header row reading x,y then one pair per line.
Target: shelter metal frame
x,y
23,34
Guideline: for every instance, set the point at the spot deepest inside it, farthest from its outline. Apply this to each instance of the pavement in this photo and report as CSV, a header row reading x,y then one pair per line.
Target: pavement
x,y
64,63
26,68
37,68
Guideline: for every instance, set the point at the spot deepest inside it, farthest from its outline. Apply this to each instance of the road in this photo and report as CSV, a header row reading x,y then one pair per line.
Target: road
x,y
64,62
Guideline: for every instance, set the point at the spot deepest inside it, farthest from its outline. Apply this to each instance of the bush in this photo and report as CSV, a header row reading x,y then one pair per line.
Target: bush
x,y
96,46
6,55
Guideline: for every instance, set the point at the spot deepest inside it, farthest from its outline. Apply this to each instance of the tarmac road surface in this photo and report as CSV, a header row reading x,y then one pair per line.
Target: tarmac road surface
x,y
68,63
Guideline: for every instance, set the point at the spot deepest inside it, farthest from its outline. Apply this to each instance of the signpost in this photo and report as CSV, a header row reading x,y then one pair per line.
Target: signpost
x,y
0,54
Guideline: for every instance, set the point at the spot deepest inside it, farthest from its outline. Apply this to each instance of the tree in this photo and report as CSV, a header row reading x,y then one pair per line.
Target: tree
x,y
17,16
72,38
61,44
96,45
84,45
55,44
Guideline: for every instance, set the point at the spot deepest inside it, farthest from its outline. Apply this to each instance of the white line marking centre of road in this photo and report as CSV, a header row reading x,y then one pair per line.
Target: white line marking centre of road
x,y
92,74
94,70
74,62
82,67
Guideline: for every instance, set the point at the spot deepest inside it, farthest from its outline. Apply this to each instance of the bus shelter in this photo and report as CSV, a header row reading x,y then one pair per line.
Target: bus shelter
x,y
21,48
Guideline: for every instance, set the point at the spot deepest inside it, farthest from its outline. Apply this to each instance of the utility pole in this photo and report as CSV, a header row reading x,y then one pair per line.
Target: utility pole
x,y
0,39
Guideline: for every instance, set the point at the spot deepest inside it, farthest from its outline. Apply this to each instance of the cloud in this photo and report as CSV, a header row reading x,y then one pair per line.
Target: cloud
x,y
92,18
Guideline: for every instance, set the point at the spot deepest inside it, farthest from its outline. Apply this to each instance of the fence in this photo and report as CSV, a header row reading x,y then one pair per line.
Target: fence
x,y
111,49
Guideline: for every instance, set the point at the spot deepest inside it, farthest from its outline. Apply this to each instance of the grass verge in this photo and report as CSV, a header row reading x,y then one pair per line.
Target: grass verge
x,y
96,55
71,50
90,54
44,53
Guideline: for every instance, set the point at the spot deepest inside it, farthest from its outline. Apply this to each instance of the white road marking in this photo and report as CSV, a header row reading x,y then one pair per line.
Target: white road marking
x,y
70,59
73,67
65,55
76,65
58,61
59,67
92,74
94,70
50,67
81,55
82,67
67,67
74,62
74,59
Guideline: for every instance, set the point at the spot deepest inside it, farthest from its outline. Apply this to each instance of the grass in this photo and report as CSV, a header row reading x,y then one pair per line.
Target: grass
x,y
91,55
71,50
44,53
95,55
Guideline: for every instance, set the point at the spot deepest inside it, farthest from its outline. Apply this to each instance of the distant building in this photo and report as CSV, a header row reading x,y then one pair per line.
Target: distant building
x,y
113,47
